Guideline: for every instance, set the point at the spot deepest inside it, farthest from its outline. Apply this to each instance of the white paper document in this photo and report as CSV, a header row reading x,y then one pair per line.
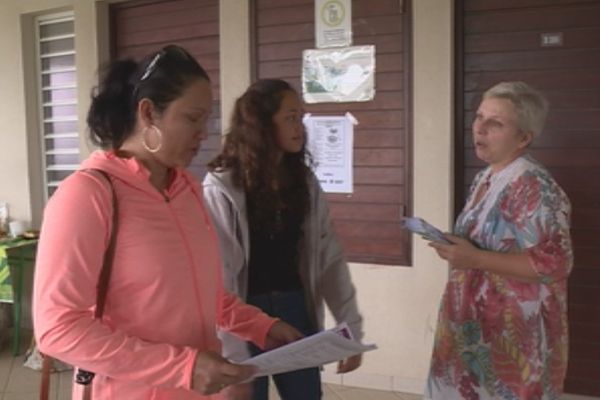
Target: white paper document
x,y
330,141
312,351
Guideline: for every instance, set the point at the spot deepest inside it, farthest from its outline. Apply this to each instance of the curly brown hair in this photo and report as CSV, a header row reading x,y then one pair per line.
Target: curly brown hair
x,y
250,151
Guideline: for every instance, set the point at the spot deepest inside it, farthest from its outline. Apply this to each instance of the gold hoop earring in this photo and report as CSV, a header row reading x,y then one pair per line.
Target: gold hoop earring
x,y
158,134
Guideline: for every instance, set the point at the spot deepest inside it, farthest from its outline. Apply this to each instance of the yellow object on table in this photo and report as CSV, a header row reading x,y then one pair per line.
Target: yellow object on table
x,y
15,255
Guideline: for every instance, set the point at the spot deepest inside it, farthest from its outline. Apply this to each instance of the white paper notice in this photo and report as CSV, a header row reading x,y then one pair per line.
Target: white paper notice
x,y
312,351
330,141
333,23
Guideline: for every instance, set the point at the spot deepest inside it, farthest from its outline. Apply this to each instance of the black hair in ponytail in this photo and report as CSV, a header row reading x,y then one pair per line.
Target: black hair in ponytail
x,y
161,77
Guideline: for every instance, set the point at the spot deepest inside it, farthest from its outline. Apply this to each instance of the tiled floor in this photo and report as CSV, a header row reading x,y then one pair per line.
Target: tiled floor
x,y
20,383
337,392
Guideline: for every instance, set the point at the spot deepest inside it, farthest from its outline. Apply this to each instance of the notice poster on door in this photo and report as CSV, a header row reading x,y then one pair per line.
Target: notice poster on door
x,y
333,27
330,141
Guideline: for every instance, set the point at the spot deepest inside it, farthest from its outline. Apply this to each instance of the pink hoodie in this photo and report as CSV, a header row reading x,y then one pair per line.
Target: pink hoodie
x,y
165,299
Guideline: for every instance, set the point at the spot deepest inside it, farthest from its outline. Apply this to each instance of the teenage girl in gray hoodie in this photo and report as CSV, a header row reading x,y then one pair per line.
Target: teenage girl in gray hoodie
x,y
280,252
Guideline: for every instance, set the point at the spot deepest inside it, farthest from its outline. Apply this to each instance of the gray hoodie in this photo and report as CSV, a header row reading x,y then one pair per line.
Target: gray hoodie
x,y
323,269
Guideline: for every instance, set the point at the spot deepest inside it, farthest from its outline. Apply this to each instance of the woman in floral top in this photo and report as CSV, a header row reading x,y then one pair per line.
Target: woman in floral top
x,y
502,329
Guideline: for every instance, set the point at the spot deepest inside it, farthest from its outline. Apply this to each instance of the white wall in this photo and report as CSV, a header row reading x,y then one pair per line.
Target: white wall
x,y
234,31
399,303
14,181
20,179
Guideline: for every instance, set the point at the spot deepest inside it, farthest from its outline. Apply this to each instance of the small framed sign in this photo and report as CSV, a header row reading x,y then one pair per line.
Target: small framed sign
x,y
333,23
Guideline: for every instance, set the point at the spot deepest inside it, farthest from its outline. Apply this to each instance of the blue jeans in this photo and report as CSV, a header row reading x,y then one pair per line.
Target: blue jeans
x,y
304,384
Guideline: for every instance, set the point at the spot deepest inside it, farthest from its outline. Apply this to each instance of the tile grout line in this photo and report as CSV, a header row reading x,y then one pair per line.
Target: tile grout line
x,y
8,374
335,393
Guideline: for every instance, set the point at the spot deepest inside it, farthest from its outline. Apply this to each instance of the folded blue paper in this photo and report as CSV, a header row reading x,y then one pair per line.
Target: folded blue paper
x,y
424,229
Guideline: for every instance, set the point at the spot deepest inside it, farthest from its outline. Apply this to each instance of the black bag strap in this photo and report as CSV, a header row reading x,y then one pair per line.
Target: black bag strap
x,y
85,377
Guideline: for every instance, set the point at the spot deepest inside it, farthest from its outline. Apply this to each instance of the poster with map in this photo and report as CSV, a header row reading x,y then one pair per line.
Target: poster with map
x,y
338,75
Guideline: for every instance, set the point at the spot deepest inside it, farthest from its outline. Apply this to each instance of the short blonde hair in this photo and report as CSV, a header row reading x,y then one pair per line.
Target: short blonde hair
x,y
531,105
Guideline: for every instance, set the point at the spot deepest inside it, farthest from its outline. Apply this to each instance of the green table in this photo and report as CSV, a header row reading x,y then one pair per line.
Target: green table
x,y
15,256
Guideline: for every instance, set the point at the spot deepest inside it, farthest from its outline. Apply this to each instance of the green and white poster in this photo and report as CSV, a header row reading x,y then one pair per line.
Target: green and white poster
x,y
338,75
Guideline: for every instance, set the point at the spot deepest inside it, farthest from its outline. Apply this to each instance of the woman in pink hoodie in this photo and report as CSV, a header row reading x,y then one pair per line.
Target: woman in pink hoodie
x,y
165,300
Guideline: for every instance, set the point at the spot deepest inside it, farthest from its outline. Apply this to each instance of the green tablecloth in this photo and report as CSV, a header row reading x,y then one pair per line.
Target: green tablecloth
x,y
6,247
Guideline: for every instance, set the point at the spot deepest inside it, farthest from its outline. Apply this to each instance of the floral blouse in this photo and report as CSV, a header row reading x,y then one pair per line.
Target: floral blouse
x,y
497,337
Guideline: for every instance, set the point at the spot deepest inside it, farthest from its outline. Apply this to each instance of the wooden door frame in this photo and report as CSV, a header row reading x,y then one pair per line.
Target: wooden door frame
x,y
459,108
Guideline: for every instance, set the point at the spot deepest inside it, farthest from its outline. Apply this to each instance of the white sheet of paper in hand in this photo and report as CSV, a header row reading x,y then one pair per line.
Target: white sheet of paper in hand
x,y
312,351
425,229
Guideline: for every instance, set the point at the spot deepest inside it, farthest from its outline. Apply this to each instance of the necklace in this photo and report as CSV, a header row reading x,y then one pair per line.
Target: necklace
x,y
482,190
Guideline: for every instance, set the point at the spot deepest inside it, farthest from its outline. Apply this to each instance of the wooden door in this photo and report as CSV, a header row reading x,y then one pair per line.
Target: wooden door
x,y
554,46
367,220
141,27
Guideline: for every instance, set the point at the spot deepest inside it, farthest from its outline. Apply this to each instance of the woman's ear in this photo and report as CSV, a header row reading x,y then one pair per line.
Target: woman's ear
x,y
146,112
526,139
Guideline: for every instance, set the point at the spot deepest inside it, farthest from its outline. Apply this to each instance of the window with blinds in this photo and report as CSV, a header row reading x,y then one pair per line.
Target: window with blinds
x,y
55,45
